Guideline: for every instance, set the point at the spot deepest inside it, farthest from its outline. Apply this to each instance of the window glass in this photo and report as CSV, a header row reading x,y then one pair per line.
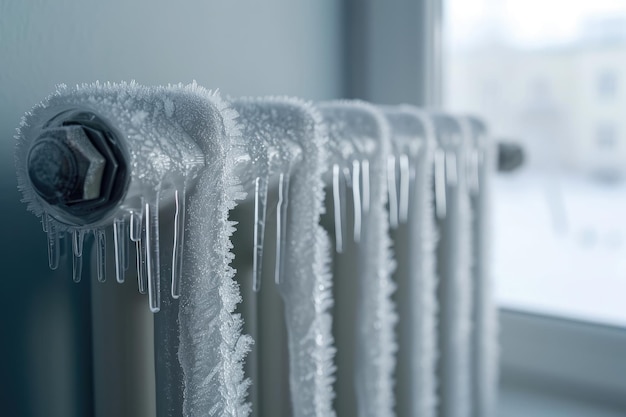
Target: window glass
x,y
548,74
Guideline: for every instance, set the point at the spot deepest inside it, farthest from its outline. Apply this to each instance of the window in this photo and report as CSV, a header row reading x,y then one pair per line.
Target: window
x,y
546,74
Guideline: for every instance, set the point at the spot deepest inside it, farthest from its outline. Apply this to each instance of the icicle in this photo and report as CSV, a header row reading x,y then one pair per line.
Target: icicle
x,y
356,194
78,237
405,176
393,193
281,225
179,238
260,204
101,254
440,183
77,267
347,177
120,239
135,224
45,222
473,175
338,208
54,250
142,277
151,247
451,169
137,230
365,167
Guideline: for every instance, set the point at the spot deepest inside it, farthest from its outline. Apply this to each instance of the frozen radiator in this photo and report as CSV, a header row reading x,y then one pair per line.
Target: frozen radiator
x,y
281,257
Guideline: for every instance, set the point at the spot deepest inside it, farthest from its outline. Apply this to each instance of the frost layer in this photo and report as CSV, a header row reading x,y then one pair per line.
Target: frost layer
x,y
358,132
485,350
280,124
412,137
454,264
175,137
212,348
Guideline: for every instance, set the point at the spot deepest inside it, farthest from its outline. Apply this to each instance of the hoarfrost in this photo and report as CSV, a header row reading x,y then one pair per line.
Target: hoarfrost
x,y
295,141
359,131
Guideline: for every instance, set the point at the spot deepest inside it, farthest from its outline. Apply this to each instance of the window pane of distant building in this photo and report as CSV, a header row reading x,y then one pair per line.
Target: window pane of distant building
x,y
547,74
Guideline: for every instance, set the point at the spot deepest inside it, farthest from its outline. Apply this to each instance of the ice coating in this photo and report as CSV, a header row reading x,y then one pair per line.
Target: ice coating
x,y
339,206
440,183
78,237
485,350
212,348
358,131
77,268
404,183
295,141
272,153
392,189
101,254
152,253
179,239
121,238
455,290
54,244
260,211
142,266
356,197
173,137
185,150
281,225
139,117
159,155
413,141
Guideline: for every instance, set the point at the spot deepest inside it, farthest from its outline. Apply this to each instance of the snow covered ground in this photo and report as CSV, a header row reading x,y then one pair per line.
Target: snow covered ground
x,y
559,246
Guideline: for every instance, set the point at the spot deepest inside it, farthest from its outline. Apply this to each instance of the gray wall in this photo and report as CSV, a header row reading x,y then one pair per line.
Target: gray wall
x,y
241,47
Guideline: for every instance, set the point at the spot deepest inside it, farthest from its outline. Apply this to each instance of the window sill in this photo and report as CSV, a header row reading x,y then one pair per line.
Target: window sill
x,y
558,365
521,400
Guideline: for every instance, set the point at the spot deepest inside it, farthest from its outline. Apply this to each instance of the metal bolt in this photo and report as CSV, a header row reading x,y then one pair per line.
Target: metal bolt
x,y
52,169
88,156
78,165
65,167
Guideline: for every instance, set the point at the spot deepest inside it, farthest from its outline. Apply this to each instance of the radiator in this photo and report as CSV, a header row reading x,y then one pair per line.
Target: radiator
x,y
275,257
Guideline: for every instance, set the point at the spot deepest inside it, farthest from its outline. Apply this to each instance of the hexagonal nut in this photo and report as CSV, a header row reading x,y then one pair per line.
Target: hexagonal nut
x,y
100,140
65,167
90,158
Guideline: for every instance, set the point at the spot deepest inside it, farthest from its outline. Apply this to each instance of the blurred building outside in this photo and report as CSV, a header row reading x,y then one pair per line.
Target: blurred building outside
x,y
559,228
565,103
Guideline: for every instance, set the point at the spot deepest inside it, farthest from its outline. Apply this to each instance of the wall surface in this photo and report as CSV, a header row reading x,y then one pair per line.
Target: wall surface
x,y
241,47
